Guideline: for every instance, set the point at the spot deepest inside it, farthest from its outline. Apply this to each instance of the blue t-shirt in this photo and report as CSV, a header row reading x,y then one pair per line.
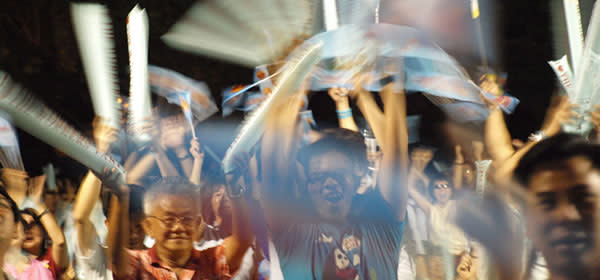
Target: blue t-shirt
x,y
367,247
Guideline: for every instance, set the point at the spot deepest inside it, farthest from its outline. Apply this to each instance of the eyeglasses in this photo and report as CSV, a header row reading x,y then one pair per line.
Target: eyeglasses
x,y
442,186
170,221
320,178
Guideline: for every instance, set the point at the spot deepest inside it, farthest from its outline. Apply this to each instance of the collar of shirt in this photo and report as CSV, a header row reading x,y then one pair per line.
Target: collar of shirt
x,y
188,269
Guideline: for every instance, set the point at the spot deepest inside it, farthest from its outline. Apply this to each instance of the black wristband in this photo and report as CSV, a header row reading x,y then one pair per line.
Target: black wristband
x,y
43,213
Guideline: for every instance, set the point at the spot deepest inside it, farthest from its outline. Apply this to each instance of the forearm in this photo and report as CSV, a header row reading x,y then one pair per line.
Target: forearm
x,y
457,180
278,159
242,235
345,121
419,199
505,169
141,169
373,115
164,163
196,174
88,194
59,247
497,138
118,233
394,165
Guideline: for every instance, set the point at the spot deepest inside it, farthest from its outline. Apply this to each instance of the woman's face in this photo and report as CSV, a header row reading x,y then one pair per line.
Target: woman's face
x,y
34,235
220,203
442,191
173,131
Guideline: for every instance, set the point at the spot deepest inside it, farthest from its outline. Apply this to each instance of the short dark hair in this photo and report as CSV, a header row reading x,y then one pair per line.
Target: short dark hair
x,y
13,205
136,196
551,152
36,219
164,109
347,142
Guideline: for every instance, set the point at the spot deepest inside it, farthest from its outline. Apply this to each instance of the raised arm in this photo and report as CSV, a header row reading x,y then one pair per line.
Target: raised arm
x,y
278,161
89,192
394,165
558,113
59,246
369,108
497,138
141,169
239,188
118,230
342,108
198,156
459,162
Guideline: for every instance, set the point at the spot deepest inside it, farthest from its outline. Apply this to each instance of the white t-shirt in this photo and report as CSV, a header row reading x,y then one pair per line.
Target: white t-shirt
x,y
443,230
93,266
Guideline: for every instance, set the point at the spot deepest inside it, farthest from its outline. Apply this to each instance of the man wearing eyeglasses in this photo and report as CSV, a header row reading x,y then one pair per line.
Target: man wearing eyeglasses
x,y
173,218
321,227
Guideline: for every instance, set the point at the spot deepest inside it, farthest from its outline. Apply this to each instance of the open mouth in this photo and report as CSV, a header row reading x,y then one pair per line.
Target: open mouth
x,y
333,196
571,243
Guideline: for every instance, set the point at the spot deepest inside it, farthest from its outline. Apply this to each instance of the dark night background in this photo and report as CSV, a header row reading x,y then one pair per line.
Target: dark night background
x,y
39,50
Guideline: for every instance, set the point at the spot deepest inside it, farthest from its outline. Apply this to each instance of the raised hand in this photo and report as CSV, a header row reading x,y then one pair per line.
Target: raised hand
x,y
195,150
104,135
36,188
113,180
562,112
239,180
459,157
467,268
338,94
478,149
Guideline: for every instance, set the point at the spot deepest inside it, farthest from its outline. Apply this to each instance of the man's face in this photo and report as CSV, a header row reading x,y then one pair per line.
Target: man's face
x,y
331,185
173,222
7,221
560,213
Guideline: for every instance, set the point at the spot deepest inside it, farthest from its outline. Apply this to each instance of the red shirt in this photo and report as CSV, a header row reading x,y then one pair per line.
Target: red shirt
x,y
206,264
50,264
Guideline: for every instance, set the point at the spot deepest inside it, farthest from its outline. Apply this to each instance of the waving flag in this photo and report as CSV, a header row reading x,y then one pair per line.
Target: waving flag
x,y
165,82
238,98
182,98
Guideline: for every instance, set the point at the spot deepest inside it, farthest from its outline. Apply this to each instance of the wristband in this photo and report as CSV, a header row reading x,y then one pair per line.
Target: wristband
x,y
343,114
43,213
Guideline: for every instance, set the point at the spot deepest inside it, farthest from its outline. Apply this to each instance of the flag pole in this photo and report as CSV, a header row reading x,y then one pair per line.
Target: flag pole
x,y
475,14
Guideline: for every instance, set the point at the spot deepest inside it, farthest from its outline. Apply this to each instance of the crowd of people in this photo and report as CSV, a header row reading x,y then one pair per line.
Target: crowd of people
x,y
327,209
354,201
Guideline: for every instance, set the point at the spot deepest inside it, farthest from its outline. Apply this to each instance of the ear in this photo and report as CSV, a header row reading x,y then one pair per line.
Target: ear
x,y
147,226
